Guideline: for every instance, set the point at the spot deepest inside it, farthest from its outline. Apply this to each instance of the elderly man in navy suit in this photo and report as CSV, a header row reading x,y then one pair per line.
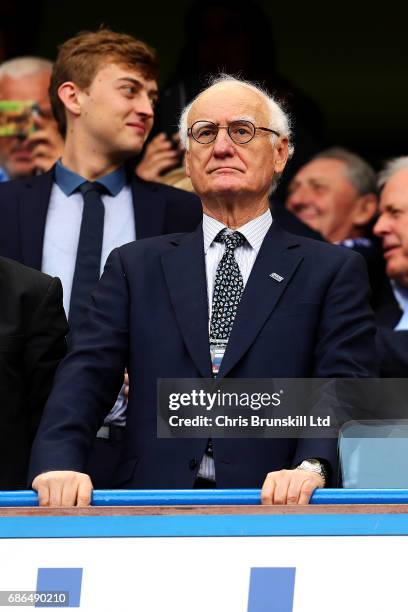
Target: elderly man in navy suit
x,y
239,297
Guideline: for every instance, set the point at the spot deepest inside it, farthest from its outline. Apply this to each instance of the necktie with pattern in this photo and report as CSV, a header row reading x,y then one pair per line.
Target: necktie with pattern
x,y
228,288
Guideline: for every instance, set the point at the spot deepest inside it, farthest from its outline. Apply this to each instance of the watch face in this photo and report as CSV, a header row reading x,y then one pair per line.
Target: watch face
x,y
313,463
309,465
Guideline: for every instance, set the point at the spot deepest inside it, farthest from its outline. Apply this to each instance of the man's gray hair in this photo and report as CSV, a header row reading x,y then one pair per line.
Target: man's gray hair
x,y
20,67
360,174
391,167
279,120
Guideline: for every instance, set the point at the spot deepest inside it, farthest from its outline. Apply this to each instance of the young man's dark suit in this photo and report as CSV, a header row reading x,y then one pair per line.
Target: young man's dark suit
x,y
158,209
150,314
32,342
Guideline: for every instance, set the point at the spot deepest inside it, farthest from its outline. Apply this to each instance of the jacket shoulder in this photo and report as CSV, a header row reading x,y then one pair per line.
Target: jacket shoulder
x,y
9,188
156,244
179,194
168,191
15,187
13,273
326,250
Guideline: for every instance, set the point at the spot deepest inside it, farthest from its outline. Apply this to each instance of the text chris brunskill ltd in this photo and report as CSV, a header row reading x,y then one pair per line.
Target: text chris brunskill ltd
x,y
252,421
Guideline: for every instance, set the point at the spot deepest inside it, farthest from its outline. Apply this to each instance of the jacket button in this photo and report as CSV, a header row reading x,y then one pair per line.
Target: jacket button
x,y
193,464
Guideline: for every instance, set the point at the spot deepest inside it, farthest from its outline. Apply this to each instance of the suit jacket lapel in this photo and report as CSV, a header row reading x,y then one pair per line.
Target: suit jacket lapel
x,y
149,208
262,292
33,206
184,270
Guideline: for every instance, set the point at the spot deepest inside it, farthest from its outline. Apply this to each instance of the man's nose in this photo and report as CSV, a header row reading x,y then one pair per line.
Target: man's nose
x,y
299,197
144,105
382,226
223,145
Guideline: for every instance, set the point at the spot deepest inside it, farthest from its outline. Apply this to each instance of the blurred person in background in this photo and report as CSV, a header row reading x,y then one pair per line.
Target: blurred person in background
x,y
27,79
336,195
391,307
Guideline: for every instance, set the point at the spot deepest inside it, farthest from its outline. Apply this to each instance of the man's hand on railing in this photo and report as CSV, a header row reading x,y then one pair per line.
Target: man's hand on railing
x,y
290,487
63,488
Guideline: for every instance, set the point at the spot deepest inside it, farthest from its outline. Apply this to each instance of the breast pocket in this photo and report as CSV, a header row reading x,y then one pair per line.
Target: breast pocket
x,y
306,310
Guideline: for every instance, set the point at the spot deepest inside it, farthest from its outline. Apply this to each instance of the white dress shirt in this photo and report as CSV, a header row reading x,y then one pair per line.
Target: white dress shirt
x,y
245,255
61,237
62,232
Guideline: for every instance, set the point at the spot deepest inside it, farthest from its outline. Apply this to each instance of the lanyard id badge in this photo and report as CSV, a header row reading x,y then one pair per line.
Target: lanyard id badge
x,y
217,350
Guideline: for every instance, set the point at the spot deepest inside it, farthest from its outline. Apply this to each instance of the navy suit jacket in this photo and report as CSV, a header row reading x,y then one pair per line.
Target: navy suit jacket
x,y
159,209
149,313
392,346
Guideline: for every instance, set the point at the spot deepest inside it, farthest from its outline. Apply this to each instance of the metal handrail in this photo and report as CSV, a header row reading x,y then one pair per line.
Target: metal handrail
x,y
176,497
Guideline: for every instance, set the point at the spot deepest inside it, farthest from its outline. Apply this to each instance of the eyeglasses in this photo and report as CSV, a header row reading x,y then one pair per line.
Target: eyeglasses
x,y
240,132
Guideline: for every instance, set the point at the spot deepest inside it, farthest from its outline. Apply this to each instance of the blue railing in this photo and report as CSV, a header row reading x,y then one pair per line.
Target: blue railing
x,y
185,497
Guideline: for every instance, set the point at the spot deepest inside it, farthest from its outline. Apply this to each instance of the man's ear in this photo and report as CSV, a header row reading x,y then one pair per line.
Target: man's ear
x,y
364,210
70,94
281,153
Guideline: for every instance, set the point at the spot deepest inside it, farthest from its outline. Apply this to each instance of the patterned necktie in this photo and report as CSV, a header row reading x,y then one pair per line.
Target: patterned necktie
x,y
228,289
88,259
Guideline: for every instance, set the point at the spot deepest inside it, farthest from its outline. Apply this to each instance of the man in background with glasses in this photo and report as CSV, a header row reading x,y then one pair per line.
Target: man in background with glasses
x,y
237,298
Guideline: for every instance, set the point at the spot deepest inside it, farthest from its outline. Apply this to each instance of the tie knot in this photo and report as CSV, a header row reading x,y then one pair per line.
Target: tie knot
x,y
88,186
231,240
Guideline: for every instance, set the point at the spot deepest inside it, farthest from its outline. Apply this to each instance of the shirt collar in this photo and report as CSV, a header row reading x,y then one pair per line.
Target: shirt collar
x,y
400,294
254,231
69,181
351,243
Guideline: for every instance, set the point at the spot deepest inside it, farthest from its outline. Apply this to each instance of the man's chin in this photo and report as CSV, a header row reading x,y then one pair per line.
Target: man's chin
x,y
398,272
228,185
127,151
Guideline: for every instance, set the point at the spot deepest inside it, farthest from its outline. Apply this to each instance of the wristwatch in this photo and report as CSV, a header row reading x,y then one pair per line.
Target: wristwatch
x,y
314,465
